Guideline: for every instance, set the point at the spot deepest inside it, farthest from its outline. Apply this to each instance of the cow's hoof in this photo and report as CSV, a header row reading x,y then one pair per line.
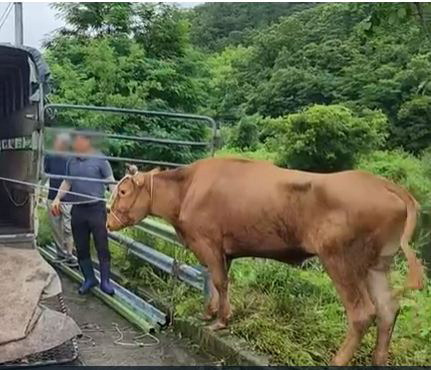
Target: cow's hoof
x,y
218,325
337,362
380,358
208,315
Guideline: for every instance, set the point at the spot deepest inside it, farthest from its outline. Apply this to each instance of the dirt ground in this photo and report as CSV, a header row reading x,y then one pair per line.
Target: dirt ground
x,y
99,324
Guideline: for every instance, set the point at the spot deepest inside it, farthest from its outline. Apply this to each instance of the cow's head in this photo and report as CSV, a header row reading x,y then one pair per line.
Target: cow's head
x,y
131,200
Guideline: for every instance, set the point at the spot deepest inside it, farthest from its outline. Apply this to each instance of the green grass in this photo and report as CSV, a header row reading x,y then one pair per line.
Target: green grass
x,y
293,315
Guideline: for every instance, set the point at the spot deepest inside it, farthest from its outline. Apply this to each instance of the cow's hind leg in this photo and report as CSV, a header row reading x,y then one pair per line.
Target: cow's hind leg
x,y
387,307
350,282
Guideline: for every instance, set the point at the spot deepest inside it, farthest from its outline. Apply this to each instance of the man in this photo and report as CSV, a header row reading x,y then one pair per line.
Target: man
x,y
60,224
88,215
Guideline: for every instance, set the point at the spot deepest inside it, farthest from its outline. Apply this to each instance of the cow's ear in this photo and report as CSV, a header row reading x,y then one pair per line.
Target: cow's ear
x,y
139,178
131,169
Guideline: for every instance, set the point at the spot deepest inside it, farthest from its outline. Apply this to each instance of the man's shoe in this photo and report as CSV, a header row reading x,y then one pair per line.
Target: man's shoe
x,y
90,280
72,261
105,284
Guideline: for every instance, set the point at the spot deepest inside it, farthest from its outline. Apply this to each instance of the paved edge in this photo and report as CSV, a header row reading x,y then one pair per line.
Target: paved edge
x,y
228,348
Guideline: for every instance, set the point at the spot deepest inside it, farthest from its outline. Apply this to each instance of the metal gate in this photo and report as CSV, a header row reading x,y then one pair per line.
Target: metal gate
x,y
195,277
52,109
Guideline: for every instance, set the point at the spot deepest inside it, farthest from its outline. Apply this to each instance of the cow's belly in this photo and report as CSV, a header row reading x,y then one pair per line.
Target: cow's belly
x,y
294,256
270,247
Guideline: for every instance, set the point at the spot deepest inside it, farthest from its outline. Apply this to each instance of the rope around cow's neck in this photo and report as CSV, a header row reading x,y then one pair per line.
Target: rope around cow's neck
x,y
121,222
35,185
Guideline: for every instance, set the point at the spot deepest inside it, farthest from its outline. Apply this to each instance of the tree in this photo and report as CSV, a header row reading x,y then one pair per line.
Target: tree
x,y
160,28
329,138
215,26
413,128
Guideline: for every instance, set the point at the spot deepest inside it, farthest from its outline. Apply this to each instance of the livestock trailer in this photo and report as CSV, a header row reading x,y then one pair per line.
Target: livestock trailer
x,y
30,332
23,80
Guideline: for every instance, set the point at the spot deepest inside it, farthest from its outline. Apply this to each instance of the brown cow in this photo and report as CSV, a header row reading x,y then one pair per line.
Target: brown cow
x,y
228,208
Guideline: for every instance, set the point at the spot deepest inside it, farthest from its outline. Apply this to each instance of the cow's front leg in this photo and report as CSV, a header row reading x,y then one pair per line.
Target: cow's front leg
x,y
219,276
211,308
218,264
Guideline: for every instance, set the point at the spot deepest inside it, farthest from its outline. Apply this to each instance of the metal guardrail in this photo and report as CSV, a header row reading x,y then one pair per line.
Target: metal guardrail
x,y
183,272
157,229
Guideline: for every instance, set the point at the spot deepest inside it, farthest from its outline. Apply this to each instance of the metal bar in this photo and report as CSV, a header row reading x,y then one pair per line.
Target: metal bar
x,y
124,302
133,111
131,138
19,28
16,238
65,177
215,126
165,263
114,159
159,230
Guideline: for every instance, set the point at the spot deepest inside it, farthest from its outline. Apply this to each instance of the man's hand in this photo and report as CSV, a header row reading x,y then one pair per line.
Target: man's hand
x,y
55,207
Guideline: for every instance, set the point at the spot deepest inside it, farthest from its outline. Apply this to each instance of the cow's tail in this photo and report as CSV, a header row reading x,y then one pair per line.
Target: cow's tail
x,y
415,277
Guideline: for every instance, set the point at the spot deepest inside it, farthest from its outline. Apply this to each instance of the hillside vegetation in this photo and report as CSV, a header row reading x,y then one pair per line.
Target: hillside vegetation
x,y
319,87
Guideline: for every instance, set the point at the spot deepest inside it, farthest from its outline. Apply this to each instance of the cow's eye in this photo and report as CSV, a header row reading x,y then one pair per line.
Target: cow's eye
x,y
122,192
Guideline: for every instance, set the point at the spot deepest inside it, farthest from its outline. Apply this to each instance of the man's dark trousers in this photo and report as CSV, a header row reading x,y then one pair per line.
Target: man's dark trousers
x,y
90,220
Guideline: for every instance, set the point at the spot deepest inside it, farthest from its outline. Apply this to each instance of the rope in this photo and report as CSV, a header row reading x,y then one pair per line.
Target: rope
x,y
5,14
136,340
46,187
13,201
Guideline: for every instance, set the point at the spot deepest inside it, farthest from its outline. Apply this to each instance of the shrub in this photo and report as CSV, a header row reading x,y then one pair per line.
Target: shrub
x,y
328,138
400,167
245,135
413,131
270,130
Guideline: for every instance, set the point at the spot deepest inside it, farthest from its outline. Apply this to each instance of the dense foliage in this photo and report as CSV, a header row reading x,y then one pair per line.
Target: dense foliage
x,y
233,60
323,55
217,25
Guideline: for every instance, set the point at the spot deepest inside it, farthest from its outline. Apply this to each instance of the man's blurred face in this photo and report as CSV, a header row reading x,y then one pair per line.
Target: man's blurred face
x,y
61,144
82,144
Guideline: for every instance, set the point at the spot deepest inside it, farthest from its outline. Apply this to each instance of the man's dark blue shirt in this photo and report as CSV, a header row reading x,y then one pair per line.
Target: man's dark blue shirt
x,y
56,165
